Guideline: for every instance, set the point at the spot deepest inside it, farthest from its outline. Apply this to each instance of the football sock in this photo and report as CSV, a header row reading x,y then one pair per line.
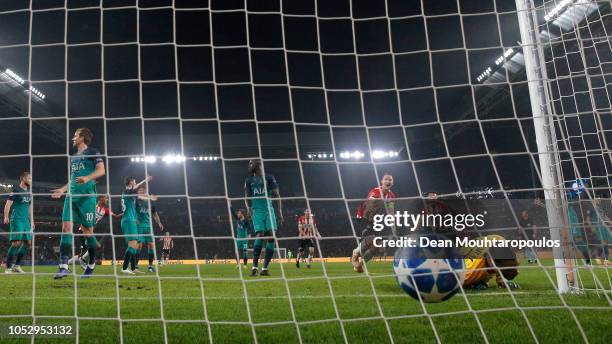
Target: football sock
x,y
23,250
127,259
91,249
151,253
83,245
245,257
256,252
269,254
65,249
135,258
11,254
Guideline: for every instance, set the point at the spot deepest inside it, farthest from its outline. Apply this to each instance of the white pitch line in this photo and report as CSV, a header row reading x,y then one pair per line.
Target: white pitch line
x,y
263,297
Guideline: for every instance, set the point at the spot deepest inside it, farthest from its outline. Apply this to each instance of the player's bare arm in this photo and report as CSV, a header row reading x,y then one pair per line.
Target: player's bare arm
x,y
147,179
7,211
97,173
147,197
278,205
32,215
158,221
57,193
248,202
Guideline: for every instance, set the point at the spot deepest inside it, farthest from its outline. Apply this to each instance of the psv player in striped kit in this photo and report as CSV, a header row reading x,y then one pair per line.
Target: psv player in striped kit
x,y
307,227
167,245
380,200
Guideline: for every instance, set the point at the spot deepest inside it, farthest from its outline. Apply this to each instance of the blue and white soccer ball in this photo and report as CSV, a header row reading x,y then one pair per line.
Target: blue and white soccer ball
x,y
436,274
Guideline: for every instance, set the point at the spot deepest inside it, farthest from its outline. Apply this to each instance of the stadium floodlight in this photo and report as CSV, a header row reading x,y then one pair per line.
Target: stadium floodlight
x,y
484,74
21,81
132,159
499,62
381,154
503,58
351,155
168,158
322,155
14,76
150,159
36,92
561,8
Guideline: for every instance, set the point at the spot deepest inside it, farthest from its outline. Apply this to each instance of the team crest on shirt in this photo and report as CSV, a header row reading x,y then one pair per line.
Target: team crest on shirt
x,y
77,166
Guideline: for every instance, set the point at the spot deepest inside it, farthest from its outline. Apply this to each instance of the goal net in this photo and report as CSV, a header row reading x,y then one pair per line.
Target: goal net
x,y
497,105
574,52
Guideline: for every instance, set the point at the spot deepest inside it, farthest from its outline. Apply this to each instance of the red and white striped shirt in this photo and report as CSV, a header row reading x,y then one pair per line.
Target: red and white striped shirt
x,y
168,243
101,212
376,193
307,225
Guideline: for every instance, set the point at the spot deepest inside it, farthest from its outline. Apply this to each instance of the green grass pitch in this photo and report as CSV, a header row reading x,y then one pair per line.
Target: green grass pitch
x,y
322,310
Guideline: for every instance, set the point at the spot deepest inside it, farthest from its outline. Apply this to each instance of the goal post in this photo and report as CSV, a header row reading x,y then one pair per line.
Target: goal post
x,y
544,131
566,49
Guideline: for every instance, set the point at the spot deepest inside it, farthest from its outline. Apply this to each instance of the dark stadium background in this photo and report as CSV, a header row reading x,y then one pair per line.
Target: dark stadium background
x,y
71,77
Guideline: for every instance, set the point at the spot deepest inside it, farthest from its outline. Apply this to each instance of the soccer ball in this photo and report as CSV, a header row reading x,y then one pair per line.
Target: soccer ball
x,y
432,274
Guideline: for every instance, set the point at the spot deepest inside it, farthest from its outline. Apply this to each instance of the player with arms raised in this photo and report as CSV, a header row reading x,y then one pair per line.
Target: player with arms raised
x,y
86,165
21,222
128,223
144,224
380,200
258,190
307,232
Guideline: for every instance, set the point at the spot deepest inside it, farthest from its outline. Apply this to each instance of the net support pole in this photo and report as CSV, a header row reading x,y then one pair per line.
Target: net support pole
x,y
542,120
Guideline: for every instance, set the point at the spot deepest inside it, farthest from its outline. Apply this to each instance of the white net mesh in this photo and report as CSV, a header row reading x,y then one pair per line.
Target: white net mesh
x,y
575,48
331,96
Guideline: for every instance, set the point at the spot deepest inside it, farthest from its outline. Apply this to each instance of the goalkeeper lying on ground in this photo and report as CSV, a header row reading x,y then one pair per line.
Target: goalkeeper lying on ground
x,y
482,264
